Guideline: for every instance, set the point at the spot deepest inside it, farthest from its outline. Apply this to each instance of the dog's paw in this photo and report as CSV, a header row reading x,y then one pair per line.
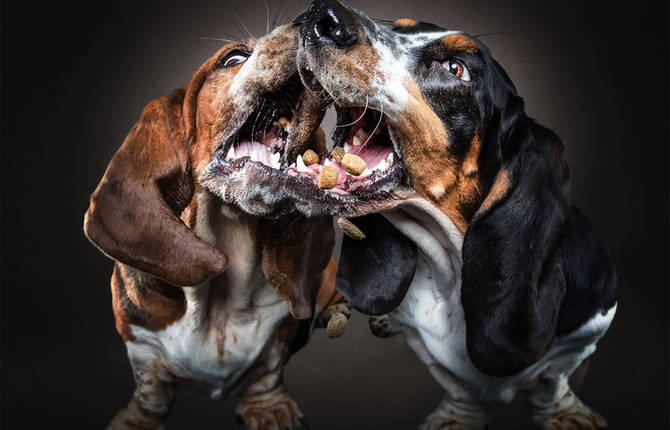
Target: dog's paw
x,y
568,413
576,417
270,411
128,419
380,326
456,416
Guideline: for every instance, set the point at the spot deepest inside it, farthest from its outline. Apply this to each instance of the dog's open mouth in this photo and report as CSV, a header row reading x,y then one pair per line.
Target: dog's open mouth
x,y
263,138
274,164
362,160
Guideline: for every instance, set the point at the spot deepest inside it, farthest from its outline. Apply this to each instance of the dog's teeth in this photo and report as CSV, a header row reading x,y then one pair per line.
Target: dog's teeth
x,y
356,141
301,165
328,163
383,165
231,153
274,160
292,166
347,147
362,136
389,159
367,172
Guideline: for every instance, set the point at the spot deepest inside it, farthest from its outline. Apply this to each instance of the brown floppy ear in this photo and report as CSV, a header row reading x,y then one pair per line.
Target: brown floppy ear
x,y
513,282
134,211
295,252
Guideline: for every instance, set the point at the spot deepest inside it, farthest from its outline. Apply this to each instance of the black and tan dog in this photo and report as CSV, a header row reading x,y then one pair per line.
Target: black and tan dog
x,y
469,239
204,292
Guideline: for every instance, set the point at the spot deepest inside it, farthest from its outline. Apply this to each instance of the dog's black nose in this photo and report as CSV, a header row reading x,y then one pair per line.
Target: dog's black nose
x,y
328,21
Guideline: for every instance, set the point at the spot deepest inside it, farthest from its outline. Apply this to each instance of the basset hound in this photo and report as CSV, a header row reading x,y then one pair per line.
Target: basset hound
x,y
459,222
203,291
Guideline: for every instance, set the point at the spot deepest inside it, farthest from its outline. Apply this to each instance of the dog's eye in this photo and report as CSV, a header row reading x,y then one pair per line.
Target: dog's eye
x,y
457,69
235,58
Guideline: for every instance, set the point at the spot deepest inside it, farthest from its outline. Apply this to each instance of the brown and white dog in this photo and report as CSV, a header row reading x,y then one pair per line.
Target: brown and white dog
x,y
469,239
204,292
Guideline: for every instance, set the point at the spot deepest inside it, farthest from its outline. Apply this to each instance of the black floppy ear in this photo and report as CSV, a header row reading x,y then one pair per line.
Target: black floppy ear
x,y
134,212
375,273
513,281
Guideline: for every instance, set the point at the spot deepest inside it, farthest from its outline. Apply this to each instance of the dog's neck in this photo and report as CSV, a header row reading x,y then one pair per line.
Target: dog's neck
x,y
434,233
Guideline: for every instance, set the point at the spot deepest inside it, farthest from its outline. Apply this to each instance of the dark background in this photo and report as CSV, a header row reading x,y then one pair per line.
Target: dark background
x,y
75,77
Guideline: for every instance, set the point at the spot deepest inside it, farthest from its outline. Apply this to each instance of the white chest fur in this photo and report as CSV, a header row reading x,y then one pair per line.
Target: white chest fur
x,y
228,321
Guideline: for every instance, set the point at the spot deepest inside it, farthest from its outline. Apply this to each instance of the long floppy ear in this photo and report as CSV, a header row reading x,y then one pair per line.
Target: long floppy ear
x,y
295,250
513,281
134,212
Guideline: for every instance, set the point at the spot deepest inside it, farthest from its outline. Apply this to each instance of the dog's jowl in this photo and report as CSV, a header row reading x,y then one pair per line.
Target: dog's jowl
x,y
204,290
468,237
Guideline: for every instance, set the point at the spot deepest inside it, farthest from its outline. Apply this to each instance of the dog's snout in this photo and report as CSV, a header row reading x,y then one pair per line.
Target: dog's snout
x,y
328,21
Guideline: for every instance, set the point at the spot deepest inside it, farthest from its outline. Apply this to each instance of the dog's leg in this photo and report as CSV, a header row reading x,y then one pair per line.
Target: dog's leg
x,y
151,402
266,405
460,409
556,407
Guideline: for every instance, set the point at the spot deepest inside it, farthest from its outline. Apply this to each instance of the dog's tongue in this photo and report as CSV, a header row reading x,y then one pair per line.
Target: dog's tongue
x,y
305,123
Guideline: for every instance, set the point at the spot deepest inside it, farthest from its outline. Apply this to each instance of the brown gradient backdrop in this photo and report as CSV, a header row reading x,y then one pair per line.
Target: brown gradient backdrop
x,y
76,76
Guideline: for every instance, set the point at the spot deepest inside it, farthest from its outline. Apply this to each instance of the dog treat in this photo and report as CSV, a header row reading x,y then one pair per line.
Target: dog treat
x,y
310,157
283,123
353,164
350,229
328,177
338,153
336,325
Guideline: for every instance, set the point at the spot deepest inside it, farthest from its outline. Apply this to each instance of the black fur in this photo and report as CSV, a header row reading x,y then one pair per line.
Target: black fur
x,y
375,273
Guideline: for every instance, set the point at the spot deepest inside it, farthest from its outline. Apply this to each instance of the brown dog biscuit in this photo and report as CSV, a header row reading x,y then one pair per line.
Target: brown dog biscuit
x,y
328,177
310,157
350,229
353,164
338,153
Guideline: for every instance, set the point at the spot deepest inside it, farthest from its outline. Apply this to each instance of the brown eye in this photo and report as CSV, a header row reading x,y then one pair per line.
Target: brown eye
x,y
235,58
457,69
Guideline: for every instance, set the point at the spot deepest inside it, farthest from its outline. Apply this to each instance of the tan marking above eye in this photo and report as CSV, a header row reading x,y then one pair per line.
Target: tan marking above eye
x,y
460,42
405,22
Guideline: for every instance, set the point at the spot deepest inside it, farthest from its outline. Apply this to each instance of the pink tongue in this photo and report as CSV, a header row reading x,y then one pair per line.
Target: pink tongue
x,y
371,153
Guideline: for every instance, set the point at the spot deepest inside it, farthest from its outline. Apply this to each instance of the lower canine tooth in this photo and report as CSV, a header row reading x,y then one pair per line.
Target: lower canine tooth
x,y
347,147
356,141
231,153
383,165
301,165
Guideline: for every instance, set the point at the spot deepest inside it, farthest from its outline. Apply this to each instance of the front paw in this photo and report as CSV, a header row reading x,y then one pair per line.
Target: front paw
x,y
274,410
577,416
380,326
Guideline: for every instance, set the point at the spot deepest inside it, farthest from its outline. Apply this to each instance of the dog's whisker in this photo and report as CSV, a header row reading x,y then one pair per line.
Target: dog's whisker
x,y
240,20
381,116
367,100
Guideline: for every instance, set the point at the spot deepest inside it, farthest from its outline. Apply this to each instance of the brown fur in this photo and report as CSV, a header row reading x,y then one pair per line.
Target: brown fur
x,y
460,42
405,22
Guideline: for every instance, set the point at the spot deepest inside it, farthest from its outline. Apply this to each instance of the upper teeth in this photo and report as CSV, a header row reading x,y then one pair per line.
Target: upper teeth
x,y
361,136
